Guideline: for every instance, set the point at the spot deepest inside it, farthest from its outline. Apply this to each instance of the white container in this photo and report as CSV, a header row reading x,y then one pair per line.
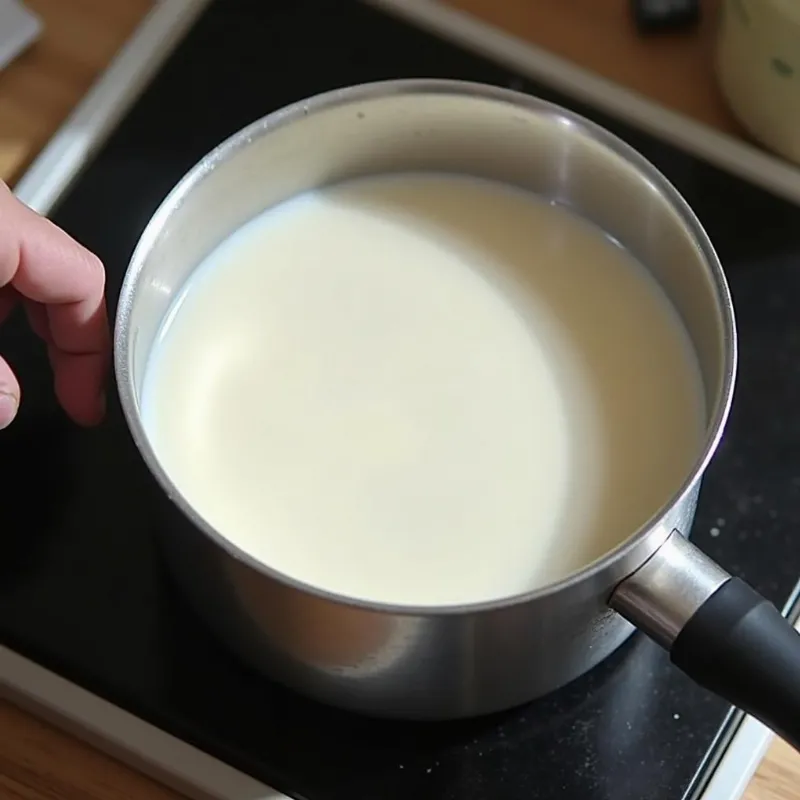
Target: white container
x,y
758,68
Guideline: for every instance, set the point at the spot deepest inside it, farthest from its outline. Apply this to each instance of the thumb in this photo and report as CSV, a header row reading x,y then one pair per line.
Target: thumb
x,y
9,395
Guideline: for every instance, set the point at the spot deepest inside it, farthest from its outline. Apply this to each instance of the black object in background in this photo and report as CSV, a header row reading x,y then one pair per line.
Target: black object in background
x,y
656,16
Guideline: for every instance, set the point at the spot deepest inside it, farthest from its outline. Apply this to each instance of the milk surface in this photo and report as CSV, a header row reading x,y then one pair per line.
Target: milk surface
x,y
423,389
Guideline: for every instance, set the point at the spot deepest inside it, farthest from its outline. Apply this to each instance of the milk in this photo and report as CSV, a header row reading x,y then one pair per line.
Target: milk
x,y
423,390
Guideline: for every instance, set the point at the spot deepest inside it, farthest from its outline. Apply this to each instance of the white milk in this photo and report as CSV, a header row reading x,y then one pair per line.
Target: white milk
x,y
424,389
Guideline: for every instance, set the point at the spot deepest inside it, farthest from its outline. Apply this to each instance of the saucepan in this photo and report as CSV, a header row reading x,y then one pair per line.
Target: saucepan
x,y
443,663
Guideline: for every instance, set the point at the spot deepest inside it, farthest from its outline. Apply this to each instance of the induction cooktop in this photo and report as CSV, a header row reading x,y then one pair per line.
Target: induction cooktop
x,y
94,633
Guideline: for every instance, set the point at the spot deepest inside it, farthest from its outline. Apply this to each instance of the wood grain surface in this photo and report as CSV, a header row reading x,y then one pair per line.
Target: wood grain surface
x,y
37,762
39,90
675,69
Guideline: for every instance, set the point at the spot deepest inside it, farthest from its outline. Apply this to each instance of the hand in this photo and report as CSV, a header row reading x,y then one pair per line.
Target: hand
x,y
61,286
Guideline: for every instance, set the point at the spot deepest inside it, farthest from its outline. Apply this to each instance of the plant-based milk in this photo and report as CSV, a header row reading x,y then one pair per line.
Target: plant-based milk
x,y
423,389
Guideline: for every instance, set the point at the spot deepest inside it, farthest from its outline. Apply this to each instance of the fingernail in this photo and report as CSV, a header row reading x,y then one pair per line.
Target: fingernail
x,y
8,409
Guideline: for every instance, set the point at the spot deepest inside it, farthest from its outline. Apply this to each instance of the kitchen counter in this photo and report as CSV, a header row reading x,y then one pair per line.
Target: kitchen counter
x,y
38,91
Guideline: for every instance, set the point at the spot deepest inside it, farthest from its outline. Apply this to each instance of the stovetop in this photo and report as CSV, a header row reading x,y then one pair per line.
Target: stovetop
x,y
82,587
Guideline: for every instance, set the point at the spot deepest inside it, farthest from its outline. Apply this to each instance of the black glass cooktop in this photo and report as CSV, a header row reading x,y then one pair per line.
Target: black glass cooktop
x,y
82,588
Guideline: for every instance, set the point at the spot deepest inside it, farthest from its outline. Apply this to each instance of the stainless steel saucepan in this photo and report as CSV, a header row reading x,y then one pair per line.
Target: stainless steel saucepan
x,y
435,663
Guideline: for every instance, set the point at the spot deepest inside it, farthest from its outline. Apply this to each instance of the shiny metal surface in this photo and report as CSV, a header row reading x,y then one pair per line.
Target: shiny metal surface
x,y
408,661
665,592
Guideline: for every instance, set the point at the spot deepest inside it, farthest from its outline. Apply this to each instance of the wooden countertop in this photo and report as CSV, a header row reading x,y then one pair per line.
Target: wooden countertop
x,y
37,92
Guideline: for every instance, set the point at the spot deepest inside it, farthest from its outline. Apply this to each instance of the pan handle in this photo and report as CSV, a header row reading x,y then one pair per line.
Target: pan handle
x,y
719,631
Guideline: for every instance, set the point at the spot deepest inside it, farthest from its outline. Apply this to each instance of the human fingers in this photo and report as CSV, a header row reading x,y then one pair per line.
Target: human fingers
x,y
9,395
9,387
48,267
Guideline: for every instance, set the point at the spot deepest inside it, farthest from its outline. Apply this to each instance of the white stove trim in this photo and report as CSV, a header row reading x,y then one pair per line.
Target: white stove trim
x,y
132,740
200,776
124,736
105,104
517,55
91,122
740,761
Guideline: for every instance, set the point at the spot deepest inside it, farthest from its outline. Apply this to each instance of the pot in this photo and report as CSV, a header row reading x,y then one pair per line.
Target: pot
x,y
440,663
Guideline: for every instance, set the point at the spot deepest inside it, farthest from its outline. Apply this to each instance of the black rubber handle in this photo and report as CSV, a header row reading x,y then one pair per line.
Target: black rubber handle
x,y
739,646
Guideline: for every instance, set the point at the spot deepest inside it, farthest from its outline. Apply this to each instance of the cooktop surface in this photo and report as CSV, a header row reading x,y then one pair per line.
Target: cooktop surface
x,y
82,587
